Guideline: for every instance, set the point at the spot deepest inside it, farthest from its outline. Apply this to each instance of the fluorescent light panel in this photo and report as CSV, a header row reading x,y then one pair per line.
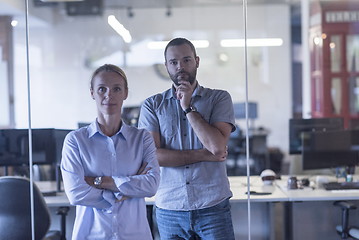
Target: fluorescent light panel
x,y
61,0
119,28
252,42
163,44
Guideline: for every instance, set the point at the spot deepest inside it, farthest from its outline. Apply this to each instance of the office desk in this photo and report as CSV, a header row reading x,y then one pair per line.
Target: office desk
x,y
263,207
238,186
296,214
267,211
281,215
317,194
313,210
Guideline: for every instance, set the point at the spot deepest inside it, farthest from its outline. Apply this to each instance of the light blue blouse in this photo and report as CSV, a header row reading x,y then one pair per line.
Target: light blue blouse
x,y
88,152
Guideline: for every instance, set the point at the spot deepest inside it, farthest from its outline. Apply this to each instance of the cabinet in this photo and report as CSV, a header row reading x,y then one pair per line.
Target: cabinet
x,y
334,51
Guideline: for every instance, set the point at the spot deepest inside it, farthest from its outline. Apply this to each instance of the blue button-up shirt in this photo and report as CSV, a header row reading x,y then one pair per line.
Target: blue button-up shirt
x,y
88,152
194,186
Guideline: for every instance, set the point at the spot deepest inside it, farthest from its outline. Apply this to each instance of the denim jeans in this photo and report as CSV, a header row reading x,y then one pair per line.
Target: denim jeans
x,y
213,223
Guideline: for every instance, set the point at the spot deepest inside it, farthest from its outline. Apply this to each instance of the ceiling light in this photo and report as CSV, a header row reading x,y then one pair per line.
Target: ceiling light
x,y
253,42
61,0
119,28
14,23
163,44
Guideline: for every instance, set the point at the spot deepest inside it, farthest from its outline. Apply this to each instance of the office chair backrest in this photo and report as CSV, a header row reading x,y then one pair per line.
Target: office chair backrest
x,y
15,211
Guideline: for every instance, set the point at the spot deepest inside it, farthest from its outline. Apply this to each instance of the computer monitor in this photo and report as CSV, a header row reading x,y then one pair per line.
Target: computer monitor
x,y
240,110
330,149
58,138
15,147
298,126
46,149
46,146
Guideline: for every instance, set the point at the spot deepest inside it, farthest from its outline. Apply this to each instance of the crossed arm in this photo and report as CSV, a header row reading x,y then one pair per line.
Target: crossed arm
x,y
214,137
109,184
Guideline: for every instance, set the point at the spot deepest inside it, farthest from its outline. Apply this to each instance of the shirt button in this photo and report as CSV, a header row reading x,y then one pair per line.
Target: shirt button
x,y
185,134
187,166
184,119
187,183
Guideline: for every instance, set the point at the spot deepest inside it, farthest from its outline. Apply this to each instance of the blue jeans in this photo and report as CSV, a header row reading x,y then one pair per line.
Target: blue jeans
x,y
213,223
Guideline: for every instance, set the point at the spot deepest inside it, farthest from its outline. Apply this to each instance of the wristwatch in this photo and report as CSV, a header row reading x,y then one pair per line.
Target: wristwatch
x,y
190,109
97,182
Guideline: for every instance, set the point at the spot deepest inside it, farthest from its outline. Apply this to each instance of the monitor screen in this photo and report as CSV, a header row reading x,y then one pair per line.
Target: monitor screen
x,y
330,149
299,126
46,146
240,110
59,137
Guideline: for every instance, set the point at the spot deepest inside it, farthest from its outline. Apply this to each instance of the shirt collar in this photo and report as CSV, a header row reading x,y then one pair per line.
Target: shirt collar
x,y
94,128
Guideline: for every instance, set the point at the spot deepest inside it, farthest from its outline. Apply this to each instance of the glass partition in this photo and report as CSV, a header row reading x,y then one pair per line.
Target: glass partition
x,y
336,95
6,73
66,47
335,53
68,41
352,52
354,95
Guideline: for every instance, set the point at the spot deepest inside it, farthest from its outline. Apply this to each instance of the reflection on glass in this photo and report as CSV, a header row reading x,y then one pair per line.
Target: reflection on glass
x,y
318,90
6,76
336,95
352,52
4,93
335,53
354,95
318,44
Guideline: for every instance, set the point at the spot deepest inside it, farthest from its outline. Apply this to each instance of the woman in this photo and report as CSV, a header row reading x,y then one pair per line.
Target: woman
x,y
108,167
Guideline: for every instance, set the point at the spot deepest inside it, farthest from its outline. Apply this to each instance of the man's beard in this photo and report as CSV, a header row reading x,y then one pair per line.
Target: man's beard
x,y
191,77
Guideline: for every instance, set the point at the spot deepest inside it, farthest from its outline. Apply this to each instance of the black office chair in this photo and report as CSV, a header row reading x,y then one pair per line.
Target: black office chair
x,y
15,211
345,230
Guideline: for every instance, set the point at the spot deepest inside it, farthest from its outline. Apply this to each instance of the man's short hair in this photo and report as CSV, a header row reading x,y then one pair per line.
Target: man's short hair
x,y
180,41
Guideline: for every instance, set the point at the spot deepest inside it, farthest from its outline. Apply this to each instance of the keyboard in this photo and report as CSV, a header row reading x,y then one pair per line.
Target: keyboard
x,y
341,185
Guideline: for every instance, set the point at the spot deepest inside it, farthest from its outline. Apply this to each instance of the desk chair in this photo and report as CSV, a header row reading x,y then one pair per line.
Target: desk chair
x,y
344,230
15,218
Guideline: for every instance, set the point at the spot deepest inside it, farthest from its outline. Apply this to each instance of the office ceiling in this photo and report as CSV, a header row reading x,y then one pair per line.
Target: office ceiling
x,y
11,9
190,3
182,3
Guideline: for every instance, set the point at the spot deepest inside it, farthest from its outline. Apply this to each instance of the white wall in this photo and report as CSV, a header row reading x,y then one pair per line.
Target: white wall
x,y
60,80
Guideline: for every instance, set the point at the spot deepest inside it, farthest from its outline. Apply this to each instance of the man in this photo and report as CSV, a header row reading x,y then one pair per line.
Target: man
x,y
190,125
